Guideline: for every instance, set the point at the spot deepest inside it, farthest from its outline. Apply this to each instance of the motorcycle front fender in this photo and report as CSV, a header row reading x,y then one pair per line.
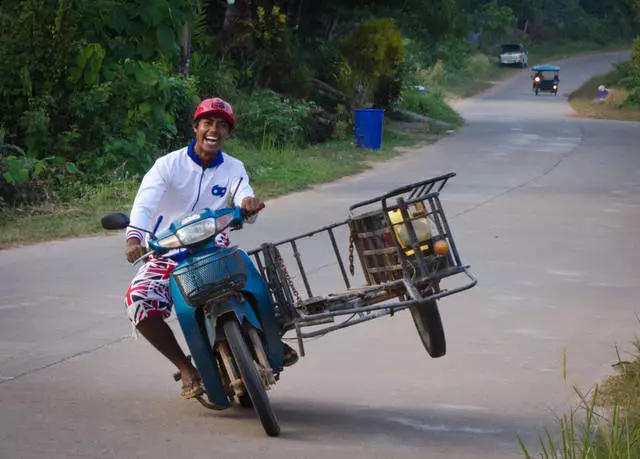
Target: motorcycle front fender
x,y
192,323
257,292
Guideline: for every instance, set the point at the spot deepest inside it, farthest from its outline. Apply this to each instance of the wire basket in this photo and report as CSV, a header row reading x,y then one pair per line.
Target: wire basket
x,y
383,240
211,276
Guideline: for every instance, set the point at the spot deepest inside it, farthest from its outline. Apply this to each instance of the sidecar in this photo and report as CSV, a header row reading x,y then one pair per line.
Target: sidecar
x,y
405,254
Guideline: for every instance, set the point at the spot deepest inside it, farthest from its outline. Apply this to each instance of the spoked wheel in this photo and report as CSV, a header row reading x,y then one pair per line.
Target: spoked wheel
x,y
429,325
250,377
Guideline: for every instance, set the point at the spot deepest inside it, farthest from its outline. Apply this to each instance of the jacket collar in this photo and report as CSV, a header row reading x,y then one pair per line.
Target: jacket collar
x,y
219,159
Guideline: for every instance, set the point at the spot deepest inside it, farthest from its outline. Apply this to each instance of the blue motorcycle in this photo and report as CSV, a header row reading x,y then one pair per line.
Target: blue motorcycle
x,y
233,312
223,307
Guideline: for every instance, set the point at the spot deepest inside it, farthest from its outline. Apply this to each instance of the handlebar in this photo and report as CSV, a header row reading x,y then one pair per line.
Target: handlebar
x,y
234,224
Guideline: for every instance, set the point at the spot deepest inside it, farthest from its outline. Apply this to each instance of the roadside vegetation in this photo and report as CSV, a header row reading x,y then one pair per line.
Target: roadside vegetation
x,y
623,100
93,92
604,425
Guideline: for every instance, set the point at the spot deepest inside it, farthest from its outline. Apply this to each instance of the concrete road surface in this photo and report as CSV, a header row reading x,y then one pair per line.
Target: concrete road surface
x,y
545,208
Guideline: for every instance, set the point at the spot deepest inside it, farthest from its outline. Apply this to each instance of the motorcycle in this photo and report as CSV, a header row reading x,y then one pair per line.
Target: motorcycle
x,y
221,304
234,312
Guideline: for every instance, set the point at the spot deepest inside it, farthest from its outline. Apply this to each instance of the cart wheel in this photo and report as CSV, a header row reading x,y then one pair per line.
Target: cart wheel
x,y
429,325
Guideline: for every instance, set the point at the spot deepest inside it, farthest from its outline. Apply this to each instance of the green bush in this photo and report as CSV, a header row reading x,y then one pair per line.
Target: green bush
x,y
373,51
213,79
431,104
264,117
93,82
26,180
635,54
479,65
455,53
140,112
387,91
627,75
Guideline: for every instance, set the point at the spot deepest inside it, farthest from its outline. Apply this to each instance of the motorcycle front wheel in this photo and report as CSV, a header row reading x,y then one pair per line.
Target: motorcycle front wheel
x,y
250,377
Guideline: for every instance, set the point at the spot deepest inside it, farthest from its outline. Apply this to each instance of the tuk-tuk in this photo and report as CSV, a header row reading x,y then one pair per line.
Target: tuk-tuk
x,y
545,78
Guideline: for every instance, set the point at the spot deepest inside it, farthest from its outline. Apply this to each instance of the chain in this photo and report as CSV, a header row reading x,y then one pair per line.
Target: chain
x,y
351,244
287,276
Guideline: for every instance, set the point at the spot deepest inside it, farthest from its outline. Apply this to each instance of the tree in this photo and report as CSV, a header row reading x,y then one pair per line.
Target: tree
x,y
372,51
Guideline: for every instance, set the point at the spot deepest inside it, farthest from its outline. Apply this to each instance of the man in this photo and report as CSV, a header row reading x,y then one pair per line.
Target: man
x,y
196,177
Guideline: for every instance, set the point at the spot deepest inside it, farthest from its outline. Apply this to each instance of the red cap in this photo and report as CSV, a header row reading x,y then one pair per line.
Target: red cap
x,y
215,106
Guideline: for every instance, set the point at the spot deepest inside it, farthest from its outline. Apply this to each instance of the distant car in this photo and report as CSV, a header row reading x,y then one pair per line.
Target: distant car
x,y
514,54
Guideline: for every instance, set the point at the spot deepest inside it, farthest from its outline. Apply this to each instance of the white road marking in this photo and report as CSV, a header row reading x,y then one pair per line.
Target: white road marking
x,y
532,333
558,272
444,428
448,406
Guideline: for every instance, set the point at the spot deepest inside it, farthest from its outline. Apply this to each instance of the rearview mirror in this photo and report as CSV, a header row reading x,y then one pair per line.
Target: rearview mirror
x,y
114,221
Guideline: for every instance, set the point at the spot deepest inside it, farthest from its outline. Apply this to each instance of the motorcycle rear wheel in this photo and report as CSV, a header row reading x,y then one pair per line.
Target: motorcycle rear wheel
x,y
250,377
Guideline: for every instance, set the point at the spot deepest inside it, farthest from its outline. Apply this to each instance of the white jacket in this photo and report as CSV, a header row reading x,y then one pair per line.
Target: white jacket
x,y
177,184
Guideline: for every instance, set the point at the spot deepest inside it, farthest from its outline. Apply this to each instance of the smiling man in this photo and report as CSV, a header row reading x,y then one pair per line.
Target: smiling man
x,y
193,178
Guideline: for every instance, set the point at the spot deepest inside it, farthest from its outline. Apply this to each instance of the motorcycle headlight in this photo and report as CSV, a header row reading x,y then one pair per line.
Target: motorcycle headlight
x,y
197,232
223,221
170,242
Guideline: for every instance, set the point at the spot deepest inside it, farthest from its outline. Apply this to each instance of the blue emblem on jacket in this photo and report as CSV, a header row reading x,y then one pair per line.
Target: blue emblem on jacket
x,y
218,190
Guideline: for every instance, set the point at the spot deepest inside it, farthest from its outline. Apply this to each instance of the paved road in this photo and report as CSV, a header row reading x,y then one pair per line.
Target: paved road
x,y
545,208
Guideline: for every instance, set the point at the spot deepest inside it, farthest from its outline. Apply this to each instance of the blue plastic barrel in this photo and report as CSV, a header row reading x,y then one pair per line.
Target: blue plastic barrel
x,y
369,127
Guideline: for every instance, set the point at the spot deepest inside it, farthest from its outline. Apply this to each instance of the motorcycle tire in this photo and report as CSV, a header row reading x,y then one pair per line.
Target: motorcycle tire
x,y
245,401
429,325
250,377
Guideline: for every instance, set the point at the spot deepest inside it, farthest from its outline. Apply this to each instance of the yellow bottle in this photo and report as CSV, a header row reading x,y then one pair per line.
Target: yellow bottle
x,y
420,226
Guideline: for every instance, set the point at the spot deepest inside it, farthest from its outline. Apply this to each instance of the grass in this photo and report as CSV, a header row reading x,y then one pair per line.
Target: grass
x,y
481,73
623,388
80,217
591,432
584,102
273,172
431,104
605,424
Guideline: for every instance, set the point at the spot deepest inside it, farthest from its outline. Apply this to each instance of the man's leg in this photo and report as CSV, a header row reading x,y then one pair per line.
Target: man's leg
x,y
160,335
149,303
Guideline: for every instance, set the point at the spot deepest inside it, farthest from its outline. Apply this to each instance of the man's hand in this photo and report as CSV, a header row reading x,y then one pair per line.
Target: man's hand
x,y
252,205
134,249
